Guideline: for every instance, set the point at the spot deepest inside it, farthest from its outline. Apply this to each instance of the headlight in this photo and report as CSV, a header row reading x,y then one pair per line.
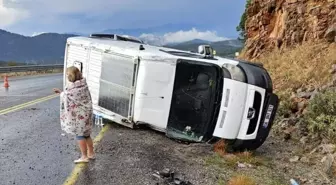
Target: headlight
x,y
236,72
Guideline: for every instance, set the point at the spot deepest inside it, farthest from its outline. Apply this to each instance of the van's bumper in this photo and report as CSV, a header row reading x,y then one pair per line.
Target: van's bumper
x,y
246,115
268,116
270,108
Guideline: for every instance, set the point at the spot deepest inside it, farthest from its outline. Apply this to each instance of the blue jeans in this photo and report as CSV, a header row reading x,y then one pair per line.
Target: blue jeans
x,y
82,137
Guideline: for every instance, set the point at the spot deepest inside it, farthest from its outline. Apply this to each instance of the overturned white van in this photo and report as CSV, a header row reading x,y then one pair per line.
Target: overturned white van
x,y
194,97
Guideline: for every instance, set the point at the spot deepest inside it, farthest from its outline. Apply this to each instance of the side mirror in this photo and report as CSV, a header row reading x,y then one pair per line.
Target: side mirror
x,y
206,50
201,50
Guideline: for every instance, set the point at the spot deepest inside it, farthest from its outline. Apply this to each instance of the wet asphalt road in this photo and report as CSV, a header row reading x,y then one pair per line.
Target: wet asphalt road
x,y
32,147
24,89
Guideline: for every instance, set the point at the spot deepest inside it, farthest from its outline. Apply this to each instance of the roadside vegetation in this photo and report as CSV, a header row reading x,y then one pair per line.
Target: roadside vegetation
x,y
222,158
304,66
243,168
10,63
30,73
241,180
26,73
321,115
301,70
303,138
241,26
304,79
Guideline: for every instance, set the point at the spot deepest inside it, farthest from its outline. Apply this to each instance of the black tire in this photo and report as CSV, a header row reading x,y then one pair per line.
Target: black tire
x,y
251,145
246,145
213,140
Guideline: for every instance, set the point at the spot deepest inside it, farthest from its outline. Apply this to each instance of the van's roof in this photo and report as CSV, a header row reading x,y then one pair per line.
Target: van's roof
x,y
149,53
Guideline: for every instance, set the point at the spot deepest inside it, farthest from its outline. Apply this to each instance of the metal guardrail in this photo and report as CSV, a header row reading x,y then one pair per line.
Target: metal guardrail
x,y
30,68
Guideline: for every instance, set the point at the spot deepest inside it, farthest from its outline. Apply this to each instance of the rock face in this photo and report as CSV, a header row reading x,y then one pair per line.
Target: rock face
x,y
281,23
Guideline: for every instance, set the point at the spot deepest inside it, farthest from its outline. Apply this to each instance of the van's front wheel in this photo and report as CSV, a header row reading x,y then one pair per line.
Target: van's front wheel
x,y
247,145
251,145
232,146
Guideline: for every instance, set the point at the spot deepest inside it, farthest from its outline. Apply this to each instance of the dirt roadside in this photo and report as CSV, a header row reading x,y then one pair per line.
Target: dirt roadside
x,y
127,156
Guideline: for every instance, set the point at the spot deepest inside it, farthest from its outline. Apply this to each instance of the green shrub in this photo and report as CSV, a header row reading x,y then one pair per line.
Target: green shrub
x,y
321,115
241,26
12,63
285,105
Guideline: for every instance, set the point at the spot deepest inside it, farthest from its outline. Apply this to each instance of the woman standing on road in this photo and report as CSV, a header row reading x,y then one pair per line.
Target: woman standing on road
x,y
76,112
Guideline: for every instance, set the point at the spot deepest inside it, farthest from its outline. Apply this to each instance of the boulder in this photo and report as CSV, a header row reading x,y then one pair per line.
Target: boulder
x,y
331,33
291,21
327,148
294,159
328,162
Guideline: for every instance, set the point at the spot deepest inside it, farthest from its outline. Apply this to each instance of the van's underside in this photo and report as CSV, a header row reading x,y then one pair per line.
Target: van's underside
x,y
195,102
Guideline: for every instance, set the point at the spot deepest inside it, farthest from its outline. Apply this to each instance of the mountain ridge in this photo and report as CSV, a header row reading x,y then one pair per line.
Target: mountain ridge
x,y
225,48
48,48
44,48
157,30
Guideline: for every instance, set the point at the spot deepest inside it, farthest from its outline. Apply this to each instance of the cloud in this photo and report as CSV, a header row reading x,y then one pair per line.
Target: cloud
x,y
94,7
37,33
9,16
153,39
90,16
182,36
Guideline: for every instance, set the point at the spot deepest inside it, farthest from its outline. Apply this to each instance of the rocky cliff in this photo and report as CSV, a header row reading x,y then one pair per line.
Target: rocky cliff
x,y
274,24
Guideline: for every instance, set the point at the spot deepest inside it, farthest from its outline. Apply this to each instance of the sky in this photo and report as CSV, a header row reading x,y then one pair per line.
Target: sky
x,y
212,19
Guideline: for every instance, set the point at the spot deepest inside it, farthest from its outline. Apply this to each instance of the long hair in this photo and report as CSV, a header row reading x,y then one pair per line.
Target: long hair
x,y
74,74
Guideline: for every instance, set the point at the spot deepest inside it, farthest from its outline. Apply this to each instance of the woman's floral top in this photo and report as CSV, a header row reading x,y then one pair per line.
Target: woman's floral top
x,y
76,109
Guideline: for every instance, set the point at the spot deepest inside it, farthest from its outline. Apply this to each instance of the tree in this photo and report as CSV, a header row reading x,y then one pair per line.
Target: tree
x,y
241,27
12,63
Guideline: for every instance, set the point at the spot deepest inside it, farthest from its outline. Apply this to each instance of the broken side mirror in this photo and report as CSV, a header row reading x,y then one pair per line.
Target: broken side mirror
x,y
201,49
206,50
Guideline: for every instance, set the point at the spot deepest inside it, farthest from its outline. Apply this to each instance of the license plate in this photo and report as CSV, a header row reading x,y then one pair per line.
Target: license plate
x,y
268,115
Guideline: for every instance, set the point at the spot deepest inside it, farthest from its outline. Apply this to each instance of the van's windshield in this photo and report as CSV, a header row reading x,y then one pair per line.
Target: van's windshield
x,y
194,104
